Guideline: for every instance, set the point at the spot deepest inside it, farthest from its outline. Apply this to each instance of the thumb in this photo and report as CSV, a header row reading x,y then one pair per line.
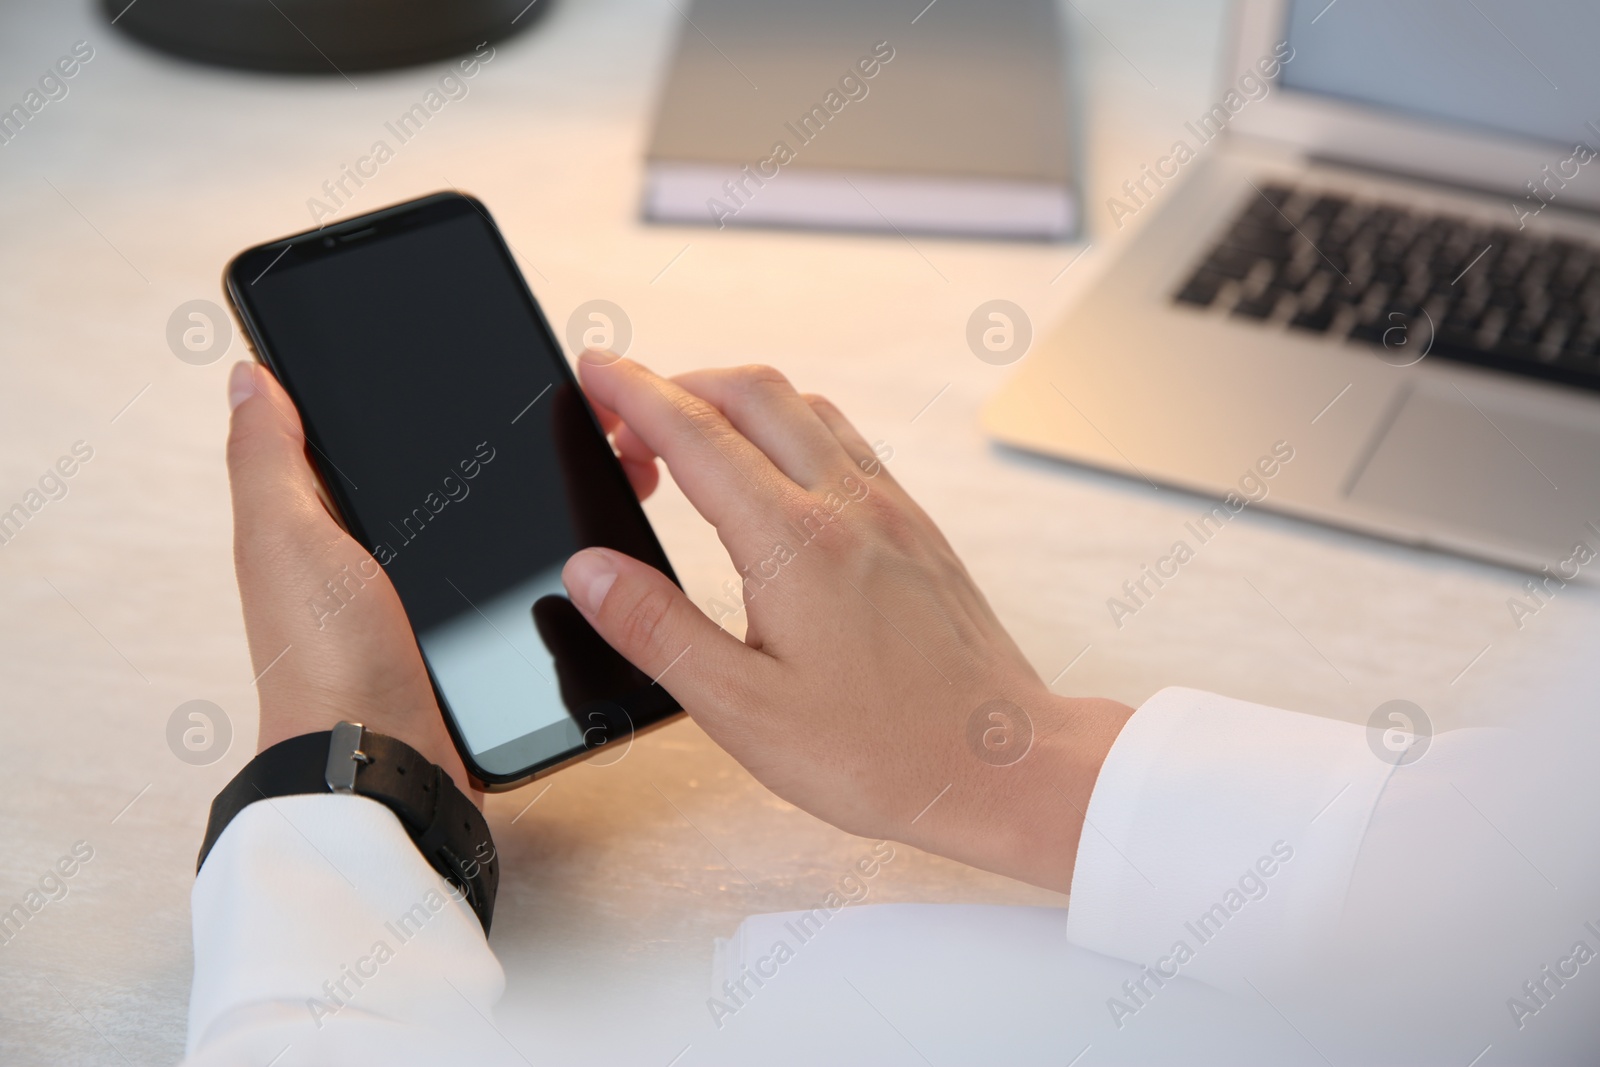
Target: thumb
x,y
274,488
644,616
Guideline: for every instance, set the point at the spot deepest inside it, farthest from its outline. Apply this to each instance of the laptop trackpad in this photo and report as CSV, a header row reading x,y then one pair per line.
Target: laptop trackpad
x,y
1508,470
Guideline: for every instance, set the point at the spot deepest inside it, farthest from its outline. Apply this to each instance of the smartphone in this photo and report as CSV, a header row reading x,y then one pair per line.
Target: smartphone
x,y
453,439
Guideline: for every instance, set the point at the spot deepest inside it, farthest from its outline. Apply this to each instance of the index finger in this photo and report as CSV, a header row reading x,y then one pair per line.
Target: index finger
x,y
729,480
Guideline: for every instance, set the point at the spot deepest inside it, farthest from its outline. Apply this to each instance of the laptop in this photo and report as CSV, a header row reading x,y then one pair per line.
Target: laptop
x,y
1367,291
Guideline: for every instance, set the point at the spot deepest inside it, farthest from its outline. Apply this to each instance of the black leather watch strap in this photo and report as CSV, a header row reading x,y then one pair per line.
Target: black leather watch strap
x,y
448,829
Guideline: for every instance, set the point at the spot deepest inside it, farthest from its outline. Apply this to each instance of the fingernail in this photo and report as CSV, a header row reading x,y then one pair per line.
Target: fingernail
x,y
598,357
588,577
241,384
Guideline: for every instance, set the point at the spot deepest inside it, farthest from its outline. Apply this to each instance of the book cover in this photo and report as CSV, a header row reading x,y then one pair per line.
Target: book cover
x,y
949,117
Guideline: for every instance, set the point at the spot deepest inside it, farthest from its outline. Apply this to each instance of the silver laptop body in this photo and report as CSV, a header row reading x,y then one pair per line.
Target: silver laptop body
x,y
1254,342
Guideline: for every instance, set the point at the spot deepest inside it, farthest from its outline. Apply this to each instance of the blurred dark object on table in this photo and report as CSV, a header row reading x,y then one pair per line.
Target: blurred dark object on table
x,y
320,36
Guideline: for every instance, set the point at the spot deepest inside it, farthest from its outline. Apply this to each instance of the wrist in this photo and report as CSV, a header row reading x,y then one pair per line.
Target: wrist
x,y
349,759
1022,813
421,728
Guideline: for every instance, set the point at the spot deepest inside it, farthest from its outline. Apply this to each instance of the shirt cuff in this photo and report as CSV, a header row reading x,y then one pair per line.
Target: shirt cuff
x,y
1221,837
316,911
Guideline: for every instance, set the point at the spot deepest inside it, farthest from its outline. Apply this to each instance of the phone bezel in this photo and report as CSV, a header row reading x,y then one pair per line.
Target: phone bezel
x,y
333,238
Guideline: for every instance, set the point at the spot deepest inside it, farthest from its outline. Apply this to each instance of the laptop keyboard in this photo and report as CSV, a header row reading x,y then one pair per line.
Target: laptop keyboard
x,y
1409,281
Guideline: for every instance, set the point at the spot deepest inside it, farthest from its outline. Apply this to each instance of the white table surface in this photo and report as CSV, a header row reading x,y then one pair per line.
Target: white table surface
x,y
117,603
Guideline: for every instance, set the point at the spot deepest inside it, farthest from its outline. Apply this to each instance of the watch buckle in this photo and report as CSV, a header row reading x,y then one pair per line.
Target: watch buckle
x,y
344,757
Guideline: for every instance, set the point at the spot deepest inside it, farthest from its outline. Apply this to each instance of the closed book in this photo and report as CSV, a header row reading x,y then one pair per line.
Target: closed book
x,y
946,118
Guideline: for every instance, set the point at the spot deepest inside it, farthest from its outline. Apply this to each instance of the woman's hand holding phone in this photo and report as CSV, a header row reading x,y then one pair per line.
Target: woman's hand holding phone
x,y
875,687
314,667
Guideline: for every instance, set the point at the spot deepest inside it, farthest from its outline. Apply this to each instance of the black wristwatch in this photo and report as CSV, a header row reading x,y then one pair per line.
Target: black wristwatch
x,y
447,828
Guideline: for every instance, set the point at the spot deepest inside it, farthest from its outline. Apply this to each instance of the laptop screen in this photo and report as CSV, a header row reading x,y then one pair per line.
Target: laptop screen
x,y
1520,67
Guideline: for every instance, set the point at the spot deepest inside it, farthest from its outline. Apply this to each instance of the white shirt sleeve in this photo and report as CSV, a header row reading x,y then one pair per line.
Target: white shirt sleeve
x,y
1229,828
1378,910
321,935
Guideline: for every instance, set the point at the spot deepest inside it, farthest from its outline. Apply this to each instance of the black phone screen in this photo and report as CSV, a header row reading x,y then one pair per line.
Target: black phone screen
x,y
452,435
